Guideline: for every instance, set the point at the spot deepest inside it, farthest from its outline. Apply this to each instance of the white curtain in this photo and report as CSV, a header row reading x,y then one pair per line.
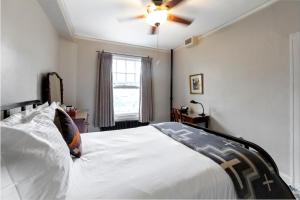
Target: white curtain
x,y
146,99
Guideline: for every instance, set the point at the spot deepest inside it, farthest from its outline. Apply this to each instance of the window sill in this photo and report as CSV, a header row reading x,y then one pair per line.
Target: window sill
x,y
127,117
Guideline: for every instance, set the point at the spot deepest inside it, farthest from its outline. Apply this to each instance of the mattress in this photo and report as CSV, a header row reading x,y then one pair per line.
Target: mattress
x,y
144,163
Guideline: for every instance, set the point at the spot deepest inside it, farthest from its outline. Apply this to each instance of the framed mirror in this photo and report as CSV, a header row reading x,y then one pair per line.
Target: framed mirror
x,y
53,88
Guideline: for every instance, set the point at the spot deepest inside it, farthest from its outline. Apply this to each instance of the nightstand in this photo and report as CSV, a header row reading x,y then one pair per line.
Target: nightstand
x,y
81,121
195,119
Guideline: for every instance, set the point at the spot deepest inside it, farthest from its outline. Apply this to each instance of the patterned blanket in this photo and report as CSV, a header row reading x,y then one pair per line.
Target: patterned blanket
x,y
251,175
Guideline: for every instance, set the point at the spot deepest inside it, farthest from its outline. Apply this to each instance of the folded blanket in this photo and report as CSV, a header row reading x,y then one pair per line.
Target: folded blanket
x,y
252,176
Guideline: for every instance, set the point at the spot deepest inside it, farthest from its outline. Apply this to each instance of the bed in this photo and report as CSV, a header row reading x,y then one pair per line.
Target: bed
x,y
166,160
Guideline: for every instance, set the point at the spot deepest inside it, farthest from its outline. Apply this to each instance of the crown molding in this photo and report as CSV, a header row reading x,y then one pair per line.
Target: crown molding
x,y
94,39
66,16
74,35
70,26
233,21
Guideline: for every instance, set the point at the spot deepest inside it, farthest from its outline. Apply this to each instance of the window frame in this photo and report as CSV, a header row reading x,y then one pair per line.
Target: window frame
x,y
136,85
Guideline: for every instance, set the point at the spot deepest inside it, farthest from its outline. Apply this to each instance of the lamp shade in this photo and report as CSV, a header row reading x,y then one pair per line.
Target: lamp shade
x,y
196,102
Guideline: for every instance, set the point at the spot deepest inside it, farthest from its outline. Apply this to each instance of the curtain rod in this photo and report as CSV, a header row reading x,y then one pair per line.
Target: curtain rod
x,y
123,54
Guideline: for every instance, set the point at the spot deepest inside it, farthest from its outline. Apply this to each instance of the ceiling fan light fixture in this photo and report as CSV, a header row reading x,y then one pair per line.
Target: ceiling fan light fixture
x,y
157,17
151,8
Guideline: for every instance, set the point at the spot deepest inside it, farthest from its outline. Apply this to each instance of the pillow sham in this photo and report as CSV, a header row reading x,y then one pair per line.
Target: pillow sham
x,y
36,158
27,115
69,131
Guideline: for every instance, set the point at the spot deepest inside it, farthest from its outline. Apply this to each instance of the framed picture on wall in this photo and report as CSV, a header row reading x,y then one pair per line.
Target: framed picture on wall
x,y
196,84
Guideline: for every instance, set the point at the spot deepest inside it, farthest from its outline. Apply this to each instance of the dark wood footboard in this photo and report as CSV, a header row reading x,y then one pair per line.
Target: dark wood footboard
x,y
244,142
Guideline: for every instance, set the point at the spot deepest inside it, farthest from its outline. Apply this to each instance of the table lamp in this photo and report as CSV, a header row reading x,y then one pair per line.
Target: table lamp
x,y
195,102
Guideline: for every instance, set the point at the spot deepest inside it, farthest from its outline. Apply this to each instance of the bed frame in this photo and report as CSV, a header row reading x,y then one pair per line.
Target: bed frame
x,y
6,108
6,113
242,141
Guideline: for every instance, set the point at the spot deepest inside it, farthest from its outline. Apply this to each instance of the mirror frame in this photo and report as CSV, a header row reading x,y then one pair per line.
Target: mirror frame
x,y
46,88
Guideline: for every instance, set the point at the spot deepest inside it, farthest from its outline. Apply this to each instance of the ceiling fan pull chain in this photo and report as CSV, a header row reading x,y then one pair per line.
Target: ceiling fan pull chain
x,y
157,50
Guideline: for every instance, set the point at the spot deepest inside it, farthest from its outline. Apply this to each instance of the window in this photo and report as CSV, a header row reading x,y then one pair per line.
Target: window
x,y
126,87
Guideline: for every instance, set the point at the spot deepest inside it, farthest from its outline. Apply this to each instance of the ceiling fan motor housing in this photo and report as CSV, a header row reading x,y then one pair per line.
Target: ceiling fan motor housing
x,y
157,2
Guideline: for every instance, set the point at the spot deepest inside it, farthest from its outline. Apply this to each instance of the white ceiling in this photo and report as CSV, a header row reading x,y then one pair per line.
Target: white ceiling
x,y
98,19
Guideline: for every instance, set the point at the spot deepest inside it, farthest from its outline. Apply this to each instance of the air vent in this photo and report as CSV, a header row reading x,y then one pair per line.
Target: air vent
x,y
192,41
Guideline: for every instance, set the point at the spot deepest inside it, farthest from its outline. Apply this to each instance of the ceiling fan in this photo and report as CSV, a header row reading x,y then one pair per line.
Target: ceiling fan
x,y
158,13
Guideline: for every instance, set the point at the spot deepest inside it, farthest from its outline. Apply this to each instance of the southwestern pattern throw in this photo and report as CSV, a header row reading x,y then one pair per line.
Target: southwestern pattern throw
x,y
69,131
251,175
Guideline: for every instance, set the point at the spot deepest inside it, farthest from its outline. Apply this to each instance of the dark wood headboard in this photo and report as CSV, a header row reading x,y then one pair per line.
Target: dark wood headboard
x,y
6,108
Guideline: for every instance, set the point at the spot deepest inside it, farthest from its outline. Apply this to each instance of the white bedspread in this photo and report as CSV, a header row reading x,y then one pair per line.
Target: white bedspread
x,y
144,163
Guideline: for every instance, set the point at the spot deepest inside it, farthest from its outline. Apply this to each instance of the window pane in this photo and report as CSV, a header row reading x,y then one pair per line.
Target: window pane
x,y
121,67
126,101
131,66
121,78
138,72
131,78
114,66
126,73
114,78
138,65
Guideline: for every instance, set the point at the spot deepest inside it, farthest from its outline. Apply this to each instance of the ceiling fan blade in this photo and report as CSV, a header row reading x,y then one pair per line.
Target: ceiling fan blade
x,y
153,30
181,20
132,18
173,3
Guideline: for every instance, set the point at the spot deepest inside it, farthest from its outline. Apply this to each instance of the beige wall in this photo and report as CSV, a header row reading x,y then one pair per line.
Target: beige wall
x,y
245,66
85,80
246,77
295,104
29,48
68,69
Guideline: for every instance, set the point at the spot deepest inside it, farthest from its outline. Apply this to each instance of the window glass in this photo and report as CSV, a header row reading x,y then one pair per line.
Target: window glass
x,y
126,87
126,101
121,78
131,67
121,66
131,78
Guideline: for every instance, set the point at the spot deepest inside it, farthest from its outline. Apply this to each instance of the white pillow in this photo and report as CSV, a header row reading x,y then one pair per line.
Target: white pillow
x,y
20,116
36,157
28,115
